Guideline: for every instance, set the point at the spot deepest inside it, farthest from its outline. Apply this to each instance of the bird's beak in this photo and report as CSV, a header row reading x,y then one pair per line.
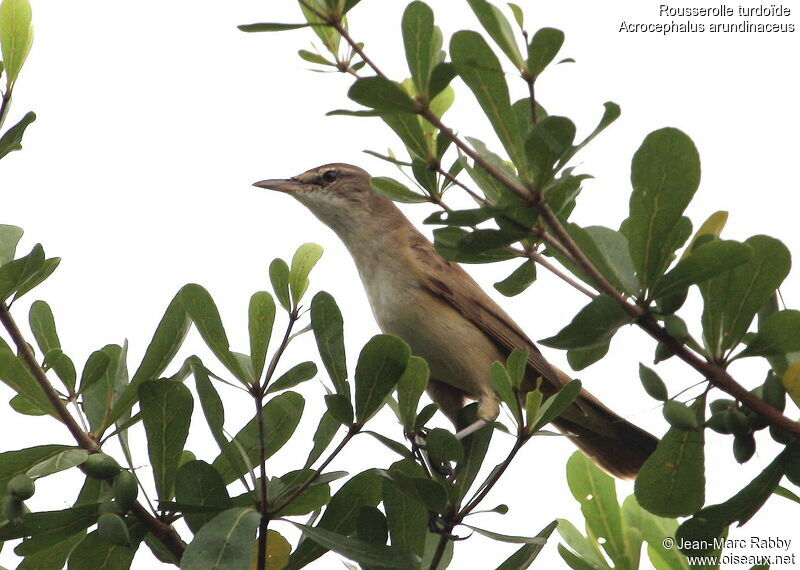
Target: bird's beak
x,y
286,185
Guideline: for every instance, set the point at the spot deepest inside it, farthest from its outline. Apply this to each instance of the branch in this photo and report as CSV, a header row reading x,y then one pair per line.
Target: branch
x,y
715,374
164,532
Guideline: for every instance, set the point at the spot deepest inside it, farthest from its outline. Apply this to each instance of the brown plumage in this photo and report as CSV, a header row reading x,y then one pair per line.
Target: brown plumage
x,y
446,318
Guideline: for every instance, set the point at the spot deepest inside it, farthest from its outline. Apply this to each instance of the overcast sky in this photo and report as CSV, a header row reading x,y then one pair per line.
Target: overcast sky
x,y
154,118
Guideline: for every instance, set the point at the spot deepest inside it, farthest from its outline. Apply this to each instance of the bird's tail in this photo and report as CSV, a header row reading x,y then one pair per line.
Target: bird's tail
x,y
617,445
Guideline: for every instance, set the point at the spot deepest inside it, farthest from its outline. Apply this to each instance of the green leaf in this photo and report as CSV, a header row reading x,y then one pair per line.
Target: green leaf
x,y
706,262
166,408
712,521
372,526
556,404
16,36
596,493
261,318
14,372
198,483
501,382
780,334
279,277
543,48
14,274
37,276
43,327
608,251
95,368
326,430
12,138
203,311
281,416
672,481
525,556
481,71
327,324
52,558
611,112
50,524
64,460
584,357
380,365
167,339
429,492
733,299
382,94
366,553
443,446
226,541
549,140
407,126
9,238
23,405
13,463
340,408
294,376
340,515
519,17
271,27
419,42
665,174
652,383
448,243
312,57
303,262
654,530
586,555
498,28
519,280
593,326
713,226
215,415
410,387
395,446
407,518
475,446
396,191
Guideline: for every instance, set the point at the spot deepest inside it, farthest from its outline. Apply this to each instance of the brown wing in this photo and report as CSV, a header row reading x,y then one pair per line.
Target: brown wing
x,y
472,302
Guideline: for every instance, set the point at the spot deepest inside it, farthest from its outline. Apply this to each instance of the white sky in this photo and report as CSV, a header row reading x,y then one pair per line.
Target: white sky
x,y
155,117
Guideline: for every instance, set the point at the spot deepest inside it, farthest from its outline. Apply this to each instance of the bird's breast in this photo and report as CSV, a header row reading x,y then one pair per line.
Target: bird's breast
x,y
457,351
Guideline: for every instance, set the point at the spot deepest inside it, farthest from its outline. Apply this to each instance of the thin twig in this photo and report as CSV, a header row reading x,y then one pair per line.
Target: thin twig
x,y
352,432
162,531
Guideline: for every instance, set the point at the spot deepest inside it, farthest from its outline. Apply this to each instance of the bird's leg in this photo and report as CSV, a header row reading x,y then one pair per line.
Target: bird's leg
x,y
470,429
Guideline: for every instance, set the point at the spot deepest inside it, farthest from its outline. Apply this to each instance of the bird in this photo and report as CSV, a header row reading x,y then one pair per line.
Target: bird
x,y
446,318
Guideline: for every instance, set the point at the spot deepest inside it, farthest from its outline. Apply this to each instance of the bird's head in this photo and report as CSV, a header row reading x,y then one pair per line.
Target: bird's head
x,y
340,195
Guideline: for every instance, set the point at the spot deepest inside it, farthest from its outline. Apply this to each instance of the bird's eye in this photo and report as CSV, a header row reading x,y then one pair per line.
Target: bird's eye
x,y
329,176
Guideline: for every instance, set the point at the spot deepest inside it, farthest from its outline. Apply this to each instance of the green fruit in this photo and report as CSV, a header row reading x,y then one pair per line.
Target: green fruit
x,y
113,529
110,506
100,466
13,509
744,448
719,423
738,423
679,415
21,486
721,405
125,490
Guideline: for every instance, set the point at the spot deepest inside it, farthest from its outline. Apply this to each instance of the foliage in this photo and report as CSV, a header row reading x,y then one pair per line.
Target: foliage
x,y
406,515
